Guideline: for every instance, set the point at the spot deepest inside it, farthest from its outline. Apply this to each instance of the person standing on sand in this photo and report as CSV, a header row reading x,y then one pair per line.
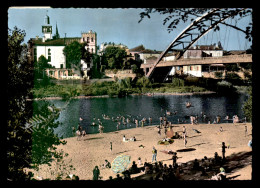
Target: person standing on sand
x,y
154,151
185,140
245,130
110,146
136,122
223,150
218,119
96,173
184,131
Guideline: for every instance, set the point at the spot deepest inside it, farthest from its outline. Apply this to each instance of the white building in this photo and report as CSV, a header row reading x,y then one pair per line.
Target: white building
x,y
51,47
200,52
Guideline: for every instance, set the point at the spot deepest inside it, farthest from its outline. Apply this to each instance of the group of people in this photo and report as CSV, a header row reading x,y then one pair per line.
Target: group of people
x,y
131,139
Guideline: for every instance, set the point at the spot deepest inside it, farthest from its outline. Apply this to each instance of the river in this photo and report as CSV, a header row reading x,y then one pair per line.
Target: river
x,y
90,110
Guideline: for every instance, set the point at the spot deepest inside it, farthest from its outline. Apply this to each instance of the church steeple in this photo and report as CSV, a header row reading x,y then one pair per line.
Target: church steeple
x,y
46,29
57,35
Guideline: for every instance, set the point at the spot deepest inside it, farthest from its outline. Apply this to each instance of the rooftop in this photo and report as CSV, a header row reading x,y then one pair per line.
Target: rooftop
x,y
55,42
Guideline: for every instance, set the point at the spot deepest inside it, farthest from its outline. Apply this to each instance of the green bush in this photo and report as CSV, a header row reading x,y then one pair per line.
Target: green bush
x,y
177,82
218,74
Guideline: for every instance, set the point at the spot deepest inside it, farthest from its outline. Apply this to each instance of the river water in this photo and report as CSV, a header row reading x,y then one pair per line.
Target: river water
x,y
90,110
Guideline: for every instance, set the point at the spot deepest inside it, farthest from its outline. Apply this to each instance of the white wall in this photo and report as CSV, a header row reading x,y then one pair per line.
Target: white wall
x,y
57,56
169,58
215,53
195,70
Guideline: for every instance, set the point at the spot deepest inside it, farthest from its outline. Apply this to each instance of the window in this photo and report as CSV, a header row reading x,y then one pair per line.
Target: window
x,y
35,54
191,68
49,55
61,66
87,39
92,50
92,40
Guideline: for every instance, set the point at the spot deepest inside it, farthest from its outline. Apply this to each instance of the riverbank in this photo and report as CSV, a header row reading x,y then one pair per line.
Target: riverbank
x,y
93,149
145,94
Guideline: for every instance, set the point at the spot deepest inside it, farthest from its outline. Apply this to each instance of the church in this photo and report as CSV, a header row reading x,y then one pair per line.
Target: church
x,y
51,47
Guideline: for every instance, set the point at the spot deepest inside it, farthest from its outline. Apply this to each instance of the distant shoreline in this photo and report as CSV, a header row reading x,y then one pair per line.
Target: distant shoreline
x,y
106,96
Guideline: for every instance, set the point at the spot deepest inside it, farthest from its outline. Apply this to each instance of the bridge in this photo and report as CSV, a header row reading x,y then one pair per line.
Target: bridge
x,y
244,58
159,69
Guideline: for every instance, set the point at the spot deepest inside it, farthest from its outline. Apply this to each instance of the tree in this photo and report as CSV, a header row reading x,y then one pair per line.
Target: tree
x,y
19,109
114,57
247,107
44,140
74,52
40,77
175,16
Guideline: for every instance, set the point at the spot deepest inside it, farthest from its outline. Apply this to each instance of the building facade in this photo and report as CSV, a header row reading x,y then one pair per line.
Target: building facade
x,y
51,47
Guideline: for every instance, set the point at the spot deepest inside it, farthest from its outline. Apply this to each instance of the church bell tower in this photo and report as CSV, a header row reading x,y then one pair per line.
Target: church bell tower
x,y
46,29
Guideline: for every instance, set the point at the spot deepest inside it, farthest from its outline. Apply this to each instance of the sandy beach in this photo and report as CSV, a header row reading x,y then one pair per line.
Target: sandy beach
x,y
93,149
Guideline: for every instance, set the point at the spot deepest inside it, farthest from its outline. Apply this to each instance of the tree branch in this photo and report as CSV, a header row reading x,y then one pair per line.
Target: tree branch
x,y
234,27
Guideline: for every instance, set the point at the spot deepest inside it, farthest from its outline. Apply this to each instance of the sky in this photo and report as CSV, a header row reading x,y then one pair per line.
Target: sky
x,y
116,25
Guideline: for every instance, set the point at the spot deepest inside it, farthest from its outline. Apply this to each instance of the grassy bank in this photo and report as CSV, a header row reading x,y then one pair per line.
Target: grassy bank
x,y
109,88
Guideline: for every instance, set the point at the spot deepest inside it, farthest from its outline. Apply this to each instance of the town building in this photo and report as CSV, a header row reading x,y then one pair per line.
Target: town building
x,y
51,47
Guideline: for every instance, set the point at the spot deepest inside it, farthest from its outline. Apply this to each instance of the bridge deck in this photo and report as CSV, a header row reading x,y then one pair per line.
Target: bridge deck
x,y
245,58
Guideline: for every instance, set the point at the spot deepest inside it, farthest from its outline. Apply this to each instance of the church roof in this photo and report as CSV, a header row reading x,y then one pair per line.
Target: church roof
x,y
54,42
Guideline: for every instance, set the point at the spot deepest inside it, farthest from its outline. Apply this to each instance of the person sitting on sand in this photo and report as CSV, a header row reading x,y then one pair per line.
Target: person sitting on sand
x,y
133,139
139,162
220,176
106,164
124,139
196,165
133,169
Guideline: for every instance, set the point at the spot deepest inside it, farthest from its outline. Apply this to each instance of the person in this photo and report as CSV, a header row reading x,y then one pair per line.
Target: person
x,y
118,177
220,176
134,168
78,133
83,133
110,146
174,159
159,130
185,140
218,119
124,139
184,131
191,120
79,128
154,151
221,129
106,164
150,120
96,173
133,139
223,151
245,130
139,162
196,165
136,123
